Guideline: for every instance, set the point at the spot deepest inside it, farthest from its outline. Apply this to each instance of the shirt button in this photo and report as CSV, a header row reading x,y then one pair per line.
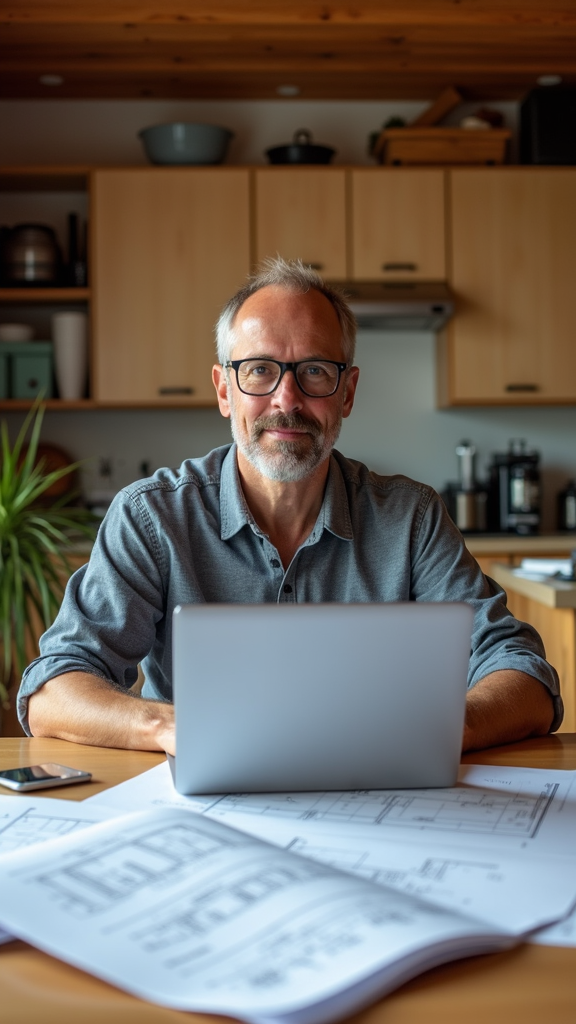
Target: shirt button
x,y
287,588
274,563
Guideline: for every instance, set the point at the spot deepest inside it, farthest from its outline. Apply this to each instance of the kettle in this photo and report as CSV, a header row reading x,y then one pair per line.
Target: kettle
x,y
31,256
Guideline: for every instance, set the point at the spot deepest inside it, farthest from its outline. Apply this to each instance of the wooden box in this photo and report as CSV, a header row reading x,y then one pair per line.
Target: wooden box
x,y
429,145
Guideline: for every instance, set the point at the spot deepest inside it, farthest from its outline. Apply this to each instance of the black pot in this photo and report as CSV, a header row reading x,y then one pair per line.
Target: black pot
x,y
31,256
300,151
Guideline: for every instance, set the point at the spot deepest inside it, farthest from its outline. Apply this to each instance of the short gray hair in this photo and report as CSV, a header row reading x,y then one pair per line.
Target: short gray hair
x,y
294,276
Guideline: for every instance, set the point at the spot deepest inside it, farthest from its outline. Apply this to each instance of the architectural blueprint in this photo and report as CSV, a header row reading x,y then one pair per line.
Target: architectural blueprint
x,y
182,910
27,820
482,847
509,809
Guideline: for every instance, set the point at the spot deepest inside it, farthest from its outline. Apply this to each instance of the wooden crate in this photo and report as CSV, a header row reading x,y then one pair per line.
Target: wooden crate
x,y
428,145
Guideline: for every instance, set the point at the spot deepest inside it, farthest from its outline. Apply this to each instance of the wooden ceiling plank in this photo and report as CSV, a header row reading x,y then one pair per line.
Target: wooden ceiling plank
x,y
304,12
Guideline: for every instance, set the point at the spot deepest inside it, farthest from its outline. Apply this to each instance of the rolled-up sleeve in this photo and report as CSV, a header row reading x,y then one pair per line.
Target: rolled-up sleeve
x,y
111,609
444,570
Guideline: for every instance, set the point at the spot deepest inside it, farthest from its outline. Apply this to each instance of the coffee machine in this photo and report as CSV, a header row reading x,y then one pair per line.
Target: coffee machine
x,y
514,490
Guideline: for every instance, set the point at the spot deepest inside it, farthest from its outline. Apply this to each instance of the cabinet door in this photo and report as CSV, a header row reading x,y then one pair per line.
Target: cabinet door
x,y
170,247
398,225
513,259
301,214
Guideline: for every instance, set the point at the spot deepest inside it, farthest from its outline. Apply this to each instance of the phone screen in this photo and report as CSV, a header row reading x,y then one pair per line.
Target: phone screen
x,y
37,776
34,773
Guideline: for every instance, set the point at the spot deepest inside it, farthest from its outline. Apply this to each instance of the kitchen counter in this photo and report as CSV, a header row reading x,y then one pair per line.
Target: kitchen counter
x,y
510,548
549,605
546,590
510,543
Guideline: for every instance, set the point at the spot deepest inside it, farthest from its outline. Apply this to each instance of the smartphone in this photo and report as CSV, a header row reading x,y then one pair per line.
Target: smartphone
x,y
41,776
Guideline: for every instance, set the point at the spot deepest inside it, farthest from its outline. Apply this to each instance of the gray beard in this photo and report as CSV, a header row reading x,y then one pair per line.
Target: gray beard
x,y
287,461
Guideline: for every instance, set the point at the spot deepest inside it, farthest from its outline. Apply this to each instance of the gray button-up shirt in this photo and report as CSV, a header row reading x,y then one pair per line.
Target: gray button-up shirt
x,y
187,536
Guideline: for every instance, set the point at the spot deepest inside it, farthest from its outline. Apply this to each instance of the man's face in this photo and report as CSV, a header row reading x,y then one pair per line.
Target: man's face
x,y
285,436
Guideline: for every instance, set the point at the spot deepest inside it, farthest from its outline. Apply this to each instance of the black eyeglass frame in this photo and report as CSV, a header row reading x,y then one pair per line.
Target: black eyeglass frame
x,y
235,364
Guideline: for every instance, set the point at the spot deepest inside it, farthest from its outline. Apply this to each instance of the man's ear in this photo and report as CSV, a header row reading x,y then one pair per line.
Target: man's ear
x,y
351,382
220,381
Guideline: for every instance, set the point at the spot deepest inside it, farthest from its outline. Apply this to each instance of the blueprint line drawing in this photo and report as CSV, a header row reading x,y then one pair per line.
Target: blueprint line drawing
x,y
98,882
31,826
431,869
462,809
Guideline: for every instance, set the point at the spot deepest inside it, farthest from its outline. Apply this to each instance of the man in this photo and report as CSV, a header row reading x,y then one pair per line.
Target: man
x,y
277,516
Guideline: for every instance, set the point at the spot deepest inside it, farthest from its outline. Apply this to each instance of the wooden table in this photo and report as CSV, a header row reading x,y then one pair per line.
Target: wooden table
x,y
527,985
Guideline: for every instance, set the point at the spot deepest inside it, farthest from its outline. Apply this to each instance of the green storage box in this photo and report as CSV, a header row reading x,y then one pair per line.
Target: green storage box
x,y
26,369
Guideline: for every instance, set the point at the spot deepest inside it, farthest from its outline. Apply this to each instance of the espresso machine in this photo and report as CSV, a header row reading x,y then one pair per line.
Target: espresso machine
x,y
514,490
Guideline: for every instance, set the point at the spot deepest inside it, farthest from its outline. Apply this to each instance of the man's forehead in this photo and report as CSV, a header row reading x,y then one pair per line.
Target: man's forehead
x,y
274,310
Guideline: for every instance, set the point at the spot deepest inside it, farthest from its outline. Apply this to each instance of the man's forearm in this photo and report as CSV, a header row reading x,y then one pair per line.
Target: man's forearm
x,y
83,708
504,707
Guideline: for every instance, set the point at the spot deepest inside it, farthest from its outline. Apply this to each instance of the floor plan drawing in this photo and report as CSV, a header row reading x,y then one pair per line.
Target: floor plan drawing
x,y
32,826
451,810
96,883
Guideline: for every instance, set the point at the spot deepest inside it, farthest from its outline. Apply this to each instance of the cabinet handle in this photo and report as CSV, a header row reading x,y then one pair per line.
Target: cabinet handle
x,y
522,387
176,391
315,266
400,266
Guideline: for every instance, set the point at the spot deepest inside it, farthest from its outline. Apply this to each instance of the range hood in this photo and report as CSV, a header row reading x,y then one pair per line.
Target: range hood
x,y
399,305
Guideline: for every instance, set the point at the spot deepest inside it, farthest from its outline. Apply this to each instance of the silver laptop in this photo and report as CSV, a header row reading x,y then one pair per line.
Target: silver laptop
x,y
319,696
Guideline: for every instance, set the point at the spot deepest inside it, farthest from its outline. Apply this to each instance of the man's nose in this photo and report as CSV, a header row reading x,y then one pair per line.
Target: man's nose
x,y
288,395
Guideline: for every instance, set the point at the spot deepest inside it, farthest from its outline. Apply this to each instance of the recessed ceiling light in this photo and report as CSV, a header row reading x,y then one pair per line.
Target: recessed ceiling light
x,y
288,90
51,80
549,79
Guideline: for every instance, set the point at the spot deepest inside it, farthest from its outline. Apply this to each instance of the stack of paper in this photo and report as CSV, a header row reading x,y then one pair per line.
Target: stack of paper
x,y
301,907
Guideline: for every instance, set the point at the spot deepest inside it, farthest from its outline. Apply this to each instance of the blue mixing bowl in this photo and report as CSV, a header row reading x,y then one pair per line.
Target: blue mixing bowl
x,y
183,142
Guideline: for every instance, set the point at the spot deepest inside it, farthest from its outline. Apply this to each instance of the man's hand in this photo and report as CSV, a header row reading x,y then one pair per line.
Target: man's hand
x,y
504,707
83,708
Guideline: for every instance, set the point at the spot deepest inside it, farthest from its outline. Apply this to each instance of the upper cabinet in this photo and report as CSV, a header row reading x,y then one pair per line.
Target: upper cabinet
x,y
170,246
301,214
398,224
513,253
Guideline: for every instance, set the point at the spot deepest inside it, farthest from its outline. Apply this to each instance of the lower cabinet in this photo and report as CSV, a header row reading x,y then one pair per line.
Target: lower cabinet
x,y
170,246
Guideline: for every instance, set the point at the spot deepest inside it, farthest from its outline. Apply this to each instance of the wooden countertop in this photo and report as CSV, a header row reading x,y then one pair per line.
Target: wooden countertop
x,y
510,544
551,592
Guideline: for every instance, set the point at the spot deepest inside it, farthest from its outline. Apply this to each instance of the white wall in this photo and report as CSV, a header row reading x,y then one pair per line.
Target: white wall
x,y
395,426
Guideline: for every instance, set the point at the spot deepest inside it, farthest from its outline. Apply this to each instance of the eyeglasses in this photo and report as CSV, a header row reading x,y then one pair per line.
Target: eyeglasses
x,y
316,378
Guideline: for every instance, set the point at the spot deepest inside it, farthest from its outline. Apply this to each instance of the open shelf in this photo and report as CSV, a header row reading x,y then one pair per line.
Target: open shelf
x,y
59,404
23,296
44,179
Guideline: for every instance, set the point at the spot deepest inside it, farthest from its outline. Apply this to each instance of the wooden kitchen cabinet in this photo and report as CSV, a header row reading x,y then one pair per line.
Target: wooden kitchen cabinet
x,y
169,248
398,224
301,214
513,253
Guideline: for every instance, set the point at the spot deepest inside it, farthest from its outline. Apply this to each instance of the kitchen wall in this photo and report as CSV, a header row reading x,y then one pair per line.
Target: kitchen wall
x,y
395,426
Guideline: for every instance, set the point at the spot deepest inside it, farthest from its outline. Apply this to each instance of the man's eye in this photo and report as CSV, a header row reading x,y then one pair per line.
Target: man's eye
x,y
314,370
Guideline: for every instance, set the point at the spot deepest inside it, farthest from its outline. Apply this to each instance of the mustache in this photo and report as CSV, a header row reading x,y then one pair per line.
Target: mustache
x,y
286,421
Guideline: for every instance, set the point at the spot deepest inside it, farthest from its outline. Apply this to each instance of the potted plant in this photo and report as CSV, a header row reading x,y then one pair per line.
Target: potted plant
x,y
34,539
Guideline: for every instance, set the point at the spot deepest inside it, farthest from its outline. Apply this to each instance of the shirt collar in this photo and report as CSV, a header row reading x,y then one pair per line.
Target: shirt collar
x,y
334,514
234,512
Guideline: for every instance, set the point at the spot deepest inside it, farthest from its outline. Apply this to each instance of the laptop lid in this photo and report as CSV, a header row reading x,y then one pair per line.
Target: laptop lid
x,y
319,696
